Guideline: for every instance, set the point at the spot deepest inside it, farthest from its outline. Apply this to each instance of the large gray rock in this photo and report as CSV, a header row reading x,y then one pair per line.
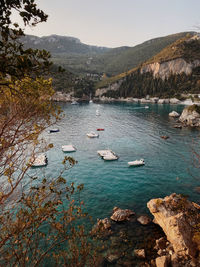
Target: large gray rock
x,y
174,101
191,116
177,217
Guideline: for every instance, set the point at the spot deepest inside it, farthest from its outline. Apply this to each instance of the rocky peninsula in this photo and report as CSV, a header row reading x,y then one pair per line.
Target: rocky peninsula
x,y
172,239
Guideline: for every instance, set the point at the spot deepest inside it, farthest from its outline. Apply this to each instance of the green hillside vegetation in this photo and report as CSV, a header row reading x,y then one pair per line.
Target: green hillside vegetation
x,y
139,85
182,48
130,57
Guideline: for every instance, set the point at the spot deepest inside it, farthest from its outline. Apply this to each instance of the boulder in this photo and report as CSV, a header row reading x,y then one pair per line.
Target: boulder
x,y
163,261
112,258
191,116
120,215
177,216
154,99
144,219
174,101
144,100
161,101
139,253
174,114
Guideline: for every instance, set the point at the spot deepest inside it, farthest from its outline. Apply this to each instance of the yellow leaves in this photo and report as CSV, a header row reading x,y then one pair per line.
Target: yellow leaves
x,y
50,145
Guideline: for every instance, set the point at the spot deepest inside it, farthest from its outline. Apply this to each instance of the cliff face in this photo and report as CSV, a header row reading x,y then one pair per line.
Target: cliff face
x,y
175,66
179,219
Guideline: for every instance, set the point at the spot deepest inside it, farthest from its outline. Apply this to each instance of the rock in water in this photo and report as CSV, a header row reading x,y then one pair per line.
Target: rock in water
x,y
144,219
177,216
174,114
139,253
191,116
120,215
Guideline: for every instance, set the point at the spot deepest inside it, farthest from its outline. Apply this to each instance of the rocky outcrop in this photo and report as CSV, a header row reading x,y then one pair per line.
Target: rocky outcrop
x,y
179,219
144,219
120,215
174,114
174,101
164,69
191,116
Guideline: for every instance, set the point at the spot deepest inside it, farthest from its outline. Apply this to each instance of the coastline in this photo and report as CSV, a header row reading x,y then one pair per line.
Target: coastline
x,y
68,98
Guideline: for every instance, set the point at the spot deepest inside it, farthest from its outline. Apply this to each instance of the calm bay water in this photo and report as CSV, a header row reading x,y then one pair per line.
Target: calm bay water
x,y
132,132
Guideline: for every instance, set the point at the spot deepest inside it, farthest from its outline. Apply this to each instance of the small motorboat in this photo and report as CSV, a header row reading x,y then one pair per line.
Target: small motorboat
x,y
146,107
56,130
136,163
74,103
97,113
100,129
91,101
92,135
39,161
68,148
107,154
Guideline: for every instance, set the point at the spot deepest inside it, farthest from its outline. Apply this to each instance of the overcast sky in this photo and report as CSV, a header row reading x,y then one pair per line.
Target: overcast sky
x,y
115,23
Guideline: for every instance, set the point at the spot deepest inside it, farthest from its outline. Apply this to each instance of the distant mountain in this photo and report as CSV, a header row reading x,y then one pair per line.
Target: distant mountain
x,y
117,60
80,58
62,44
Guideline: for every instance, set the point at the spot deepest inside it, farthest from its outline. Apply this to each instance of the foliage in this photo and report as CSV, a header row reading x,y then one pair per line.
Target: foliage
x,y
15,60
41,219
43,230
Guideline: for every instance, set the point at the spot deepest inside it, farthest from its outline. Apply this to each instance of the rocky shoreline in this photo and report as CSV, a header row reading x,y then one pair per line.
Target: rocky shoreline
x,y
171,239
68,97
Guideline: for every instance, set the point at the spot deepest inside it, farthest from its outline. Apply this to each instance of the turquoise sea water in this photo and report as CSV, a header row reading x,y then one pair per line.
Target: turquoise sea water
x,y
132,132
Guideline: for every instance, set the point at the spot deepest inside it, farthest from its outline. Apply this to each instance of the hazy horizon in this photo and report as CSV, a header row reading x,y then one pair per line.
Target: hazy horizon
x,y
115,23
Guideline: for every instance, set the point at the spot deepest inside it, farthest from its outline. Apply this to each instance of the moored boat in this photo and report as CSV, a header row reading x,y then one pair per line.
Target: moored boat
x,y
68,148
39,161
107,154
56,130
136,163
92,135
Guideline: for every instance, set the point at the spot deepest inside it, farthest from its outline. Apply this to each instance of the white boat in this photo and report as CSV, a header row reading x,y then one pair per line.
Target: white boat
x,y
136,163
97,113
74,103
39,161
68,148
107,154
92,135
146,107
91,101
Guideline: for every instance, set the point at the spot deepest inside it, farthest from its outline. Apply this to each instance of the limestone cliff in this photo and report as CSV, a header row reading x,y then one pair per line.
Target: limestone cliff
x,y
165,69
179,219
